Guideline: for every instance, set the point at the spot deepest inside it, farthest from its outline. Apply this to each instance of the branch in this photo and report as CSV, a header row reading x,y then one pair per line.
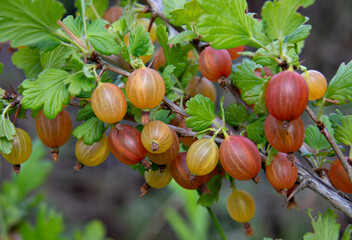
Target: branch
x,y
325,132
307,180
236,93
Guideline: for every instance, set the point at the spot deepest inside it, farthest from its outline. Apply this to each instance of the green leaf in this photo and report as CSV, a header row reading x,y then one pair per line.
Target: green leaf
x,y
5,145
91,131
80,83
235,114
7,129
325,227
164,116
226,25
202,111
272,152
348,232
85,113
183,37
55,58
2,66
49,226
167,75
255,131
101,39
75,25
340,86
170,5
315,139
187,15
214,186
301,33
343,132
335,119
26,22
48,92
280,18
140,43
176,55
94,230
29,60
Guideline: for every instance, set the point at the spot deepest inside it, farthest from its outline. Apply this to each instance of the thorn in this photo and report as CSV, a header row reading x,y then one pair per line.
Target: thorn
x,y
302,185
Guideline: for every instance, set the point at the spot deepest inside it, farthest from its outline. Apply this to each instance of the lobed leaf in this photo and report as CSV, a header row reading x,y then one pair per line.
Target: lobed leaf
x,y
187,15
202,111
27,22
28,60
236,114
48,92
91,131
343,131
140,43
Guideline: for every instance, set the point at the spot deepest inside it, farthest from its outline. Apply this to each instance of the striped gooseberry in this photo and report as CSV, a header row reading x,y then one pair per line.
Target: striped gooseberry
x,y
92,155
241,208
145,88
181,173
339,177
316,83
234,51
201,85
157,137
286,96
54,132
21,149
109,103
202,157
284,140
214,63
159,178
126,145
282,173
240,158
169,155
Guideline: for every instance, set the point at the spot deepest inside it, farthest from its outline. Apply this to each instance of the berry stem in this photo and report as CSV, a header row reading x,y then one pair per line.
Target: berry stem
x,y
216,224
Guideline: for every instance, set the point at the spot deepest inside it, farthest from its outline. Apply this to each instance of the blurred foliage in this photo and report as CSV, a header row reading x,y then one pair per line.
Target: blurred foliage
x,y
17,203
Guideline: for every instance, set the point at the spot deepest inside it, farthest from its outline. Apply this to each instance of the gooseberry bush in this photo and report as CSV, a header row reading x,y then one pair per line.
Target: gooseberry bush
x,y
146,92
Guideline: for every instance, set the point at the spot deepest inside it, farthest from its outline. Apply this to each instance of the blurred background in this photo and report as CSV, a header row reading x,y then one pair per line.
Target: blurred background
x,y
110,192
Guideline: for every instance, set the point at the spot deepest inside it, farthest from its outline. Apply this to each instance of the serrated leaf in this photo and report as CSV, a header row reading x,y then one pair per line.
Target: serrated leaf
x,y
85,113
26,22
243,75
5,145
7,129
235,114
315,139
75,25
226,25
347,233
280,18
91,131
28,60
340,86
214,186
140,43
325,227
255,131
202,111
170,5
55,58
167,76
164,116
343,132
183,37
335,118
101,39
187,15
78,82
48,92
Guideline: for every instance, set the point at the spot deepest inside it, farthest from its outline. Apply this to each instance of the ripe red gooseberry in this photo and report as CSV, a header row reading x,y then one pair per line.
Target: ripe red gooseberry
x,y
201,85
286,96
214,63
339,177
234,51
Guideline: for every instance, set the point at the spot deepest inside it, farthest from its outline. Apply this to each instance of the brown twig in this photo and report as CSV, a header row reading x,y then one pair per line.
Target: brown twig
x,y
236,93
71,34
325,132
